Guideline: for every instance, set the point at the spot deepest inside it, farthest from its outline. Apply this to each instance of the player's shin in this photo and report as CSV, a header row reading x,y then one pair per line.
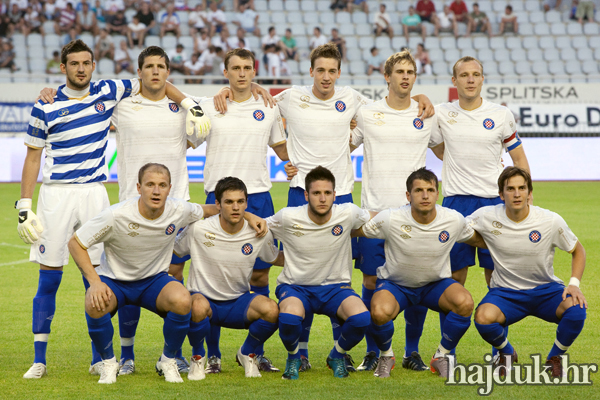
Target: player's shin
x,y
495,334
568,329
383,336
353,331
367,295
44,306
101,332
290,328
454,329
258,333
196,335
305,334
175,329
212,341
129,317
415,319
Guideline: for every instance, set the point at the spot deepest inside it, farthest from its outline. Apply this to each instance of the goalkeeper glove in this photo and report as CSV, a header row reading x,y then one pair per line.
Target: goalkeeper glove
x,y
29,223
196,121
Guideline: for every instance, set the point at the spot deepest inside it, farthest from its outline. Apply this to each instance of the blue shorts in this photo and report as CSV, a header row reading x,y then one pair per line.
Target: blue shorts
x,y
540,302
428,295
231,313
325,299
372,255
462,255
142,293
259,204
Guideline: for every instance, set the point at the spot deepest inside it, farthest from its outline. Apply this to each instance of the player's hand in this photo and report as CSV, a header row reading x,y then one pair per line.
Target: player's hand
x,y
426,109
196,121
576,294
258,224
220,100
29,224
99,295
259,90
47,95
353,124
291,171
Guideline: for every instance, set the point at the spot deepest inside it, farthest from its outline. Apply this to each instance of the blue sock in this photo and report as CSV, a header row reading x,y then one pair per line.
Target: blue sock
x,y
352,332
258,333
336,328
305,334
129,316
96,358
263,290
568,329
495,350
196,335
175,329
367,296
44,306
212,341
442,322
414,316
179,353
495,334
290,329
382,334
454,329
101,331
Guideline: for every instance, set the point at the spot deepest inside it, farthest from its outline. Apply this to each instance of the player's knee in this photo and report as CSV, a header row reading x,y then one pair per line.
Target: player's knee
x,y
381,313
464,304
360,321
484,315
574,313
180,302
200,309
271,311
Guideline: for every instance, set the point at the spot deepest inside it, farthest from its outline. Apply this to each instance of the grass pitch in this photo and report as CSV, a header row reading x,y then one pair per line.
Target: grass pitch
x,y
69,344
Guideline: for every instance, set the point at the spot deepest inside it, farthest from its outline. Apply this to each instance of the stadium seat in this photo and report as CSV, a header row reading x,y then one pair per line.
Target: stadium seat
x,y
584,55
589,67
452,55
363,29
535,54
552,16
311,19
354,54
302,42
399,42
294,67
304,66
292,5
518,55
523,68
294,17
436,55
277,17
152,41
530,42
480,42
261,6
557,68
527,79
447,43
539,67
536,17
357,67
563,42
168,42
573,28
106,66
497,42
432,43
360,81
594,44
343,17
485,55
592,29
525,29
34,39
440,69
366,42
513,43
187,42
551,55
580,42
490,68
571,68
351,42
464,43
541,29
254,42
558,29
567,54
501,55
323,5
498,6
413,41
597,54
359,17
426,80
343,81
308,6
88,39
546,42
276,6
517,5
18,40
533,6
402,7
48,26
326,17
506,68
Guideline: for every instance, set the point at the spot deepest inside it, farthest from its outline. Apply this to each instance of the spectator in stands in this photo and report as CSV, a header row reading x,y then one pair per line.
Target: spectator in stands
x,y
67,22
426,10
178,57
206,58
478,22
193,67
273,64
289,46
22,4
217,19
446,22
123,59
247,19
318,39
383,22
197,19
362,4
422,60
283,65
238,3
99,12
508,22
585,9
146,17
104,46
461,13
32,22
113,6
269,38
238,41
339,42
136,32
412,23
117,24
169,22
7,56
16,17
202,41
222,40
53,65
552,5
50,12
86,20
181,5
573,11
339,5
6,27
375,62
218,65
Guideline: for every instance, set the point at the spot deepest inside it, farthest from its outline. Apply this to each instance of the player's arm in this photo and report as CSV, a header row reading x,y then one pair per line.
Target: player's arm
x,y
256,223
360,232
426,109
281,151
279,261
476,241
29,224
225,93
439,151
577,268
519,158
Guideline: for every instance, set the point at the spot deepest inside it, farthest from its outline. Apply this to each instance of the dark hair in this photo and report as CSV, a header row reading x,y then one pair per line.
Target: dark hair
x,y
227,184
74,46
318,29
318,174
153,166
509,172
422,174
152,51
509,7
271,28
475,4
328,50
244,54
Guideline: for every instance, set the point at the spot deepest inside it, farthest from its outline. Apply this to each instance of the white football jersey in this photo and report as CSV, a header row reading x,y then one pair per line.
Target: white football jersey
x,y
523,252
395,145
238,141
222,263
135,247
316,254
417,254
151,131
473,142
319,132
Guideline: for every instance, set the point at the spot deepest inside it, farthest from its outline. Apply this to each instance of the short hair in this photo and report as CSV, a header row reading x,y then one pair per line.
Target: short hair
x,y
74,46
271,28
422,174
382,5
154,167
509,172
328,50
475,4
152,51
318,174
373,49
229,183
465,59
288,30
244,54
396,58
509,7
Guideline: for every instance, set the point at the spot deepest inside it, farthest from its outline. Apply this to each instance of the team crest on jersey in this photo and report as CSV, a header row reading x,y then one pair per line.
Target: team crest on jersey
x,y
452,114
337,230
173,107
305,98
378,115
406,228
133,225
488,124
62,112
210,236
444,236
418,123
42,248
100,107
258,115
170,229
247,249
497,224
535,236
340,106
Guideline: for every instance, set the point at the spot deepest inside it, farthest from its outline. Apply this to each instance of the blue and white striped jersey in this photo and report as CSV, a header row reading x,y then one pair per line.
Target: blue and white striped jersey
x,y
74,131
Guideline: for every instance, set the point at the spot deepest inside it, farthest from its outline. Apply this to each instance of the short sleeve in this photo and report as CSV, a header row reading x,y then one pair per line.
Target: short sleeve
x,y
562,236
466,230
268,252
510,137
360,216
475,220
96,230
358,132
275,224
194,212
433,120
283,101
277,132
378,227
183,241
436,137
359,101
37,130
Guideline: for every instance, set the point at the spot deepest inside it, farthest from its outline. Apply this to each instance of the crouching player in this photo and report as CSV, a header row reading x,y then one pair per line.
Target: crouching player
x,y
418,239
521,239
223,250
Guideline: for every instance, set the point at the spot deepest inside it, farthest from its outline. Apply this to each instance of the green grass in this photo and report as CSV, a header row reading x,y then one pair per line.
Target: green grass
x,y
69,345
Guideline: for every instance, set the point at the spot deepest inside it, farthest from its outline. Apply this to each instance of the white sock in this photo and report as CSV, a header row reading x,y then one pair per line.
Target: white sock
x,y
164,358
387,353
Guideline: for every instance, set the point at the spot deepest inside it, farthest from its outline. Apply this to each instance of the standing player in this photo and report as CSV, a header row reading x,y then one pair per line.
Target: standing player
x,y
74,132
522,239
317,271
224,249
395,144
418,238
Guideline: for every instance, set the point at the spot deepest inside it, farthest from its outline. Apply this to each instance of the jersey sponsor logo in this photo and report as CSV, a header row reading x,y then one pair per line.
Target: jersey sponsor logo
x,y
535,236
405,236
258,115
174,107
137,108
418,123
496,232
337,230
452,122
497,224
133,234
297,226
406,228
444,236
378,115
304,106
133,225
210,236
170,229
305,98
298,234
488,124
379,123
62,112
340,106
100,107
452,114
247,249
208,244
42,248
97,236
